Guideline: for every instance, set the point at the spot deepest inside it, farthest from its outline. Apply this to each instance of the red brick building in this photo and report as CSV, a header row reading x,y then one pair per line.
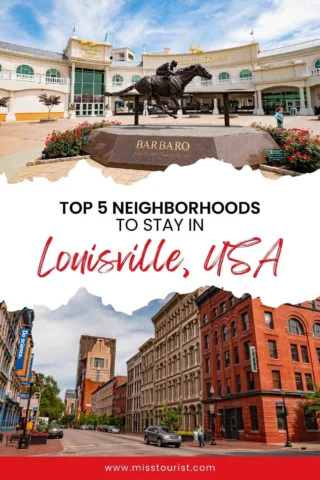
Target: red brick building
x,y
255,357
119,398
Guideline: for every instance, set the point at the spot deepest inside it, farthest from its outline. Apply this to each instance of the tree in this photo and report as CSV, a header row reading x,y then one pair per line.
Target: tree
x,y
50,404
67,419
49,101
4,101
170,417
312,405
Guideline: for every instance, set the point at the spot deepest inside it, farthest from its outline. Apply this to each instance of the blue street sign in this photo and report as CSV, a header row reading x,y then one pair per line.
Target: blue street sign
x,y
279,404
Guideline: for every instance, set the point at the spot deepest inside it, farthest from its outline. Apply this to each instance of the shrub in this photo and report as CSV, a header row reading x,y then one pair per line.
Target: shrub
x,y
185,433
301,148
69,143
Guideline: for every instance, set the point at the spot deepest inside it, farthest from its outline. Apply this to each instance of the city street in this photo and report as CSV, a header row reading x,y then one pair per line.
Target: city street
x,y
83,443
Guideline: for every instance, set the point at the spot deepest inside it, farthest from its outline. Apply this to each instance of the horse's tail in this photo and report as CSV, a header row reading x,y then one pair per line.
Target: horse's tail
x,y
128,89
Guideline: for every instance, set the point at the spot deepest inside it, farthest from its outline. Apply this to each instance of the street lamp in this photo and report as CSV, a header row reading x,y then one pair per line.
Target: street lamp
x,y
213,416
283,392
24,441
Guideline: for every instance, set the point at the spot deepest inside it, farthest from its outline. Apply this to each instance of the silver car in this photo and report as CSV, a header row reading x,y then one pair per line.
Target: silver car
x,y
161,436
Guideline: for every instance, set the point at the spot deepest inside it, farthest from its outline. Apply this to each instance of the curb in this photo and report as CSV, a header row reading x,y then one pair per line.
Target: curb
x,y
280,171
41,161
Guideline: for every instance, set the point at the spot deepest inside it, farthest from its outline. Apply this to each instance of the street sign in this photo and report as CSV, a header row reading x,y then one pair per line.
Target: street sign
x,y
211,408
279,404
253,360
276,155
23,395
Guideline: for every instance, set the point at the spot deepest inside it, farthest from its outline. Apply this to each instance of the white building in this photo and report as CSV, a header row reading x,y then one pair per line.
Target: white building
x,y
257,81
133,423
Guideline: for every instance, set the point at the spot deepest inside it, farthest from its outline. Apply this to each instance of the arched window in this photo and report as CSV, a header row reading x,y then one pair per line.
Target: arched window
x,y
316,330
117,81
136,78
295,327
225,333
317,64
216,338
205,81
246,74
234,329
223,76
205,319
25,70
0,68
53,73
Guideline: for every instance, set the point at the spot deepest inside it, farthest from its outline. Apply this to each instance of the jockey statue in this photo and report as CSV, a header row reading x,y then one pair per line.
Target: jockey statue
x,y
166,70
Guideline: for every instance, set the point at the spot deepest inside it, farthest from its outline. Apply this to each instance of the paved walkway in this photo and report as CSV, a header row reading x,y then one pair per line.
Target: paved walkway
x,y
53,446
22,142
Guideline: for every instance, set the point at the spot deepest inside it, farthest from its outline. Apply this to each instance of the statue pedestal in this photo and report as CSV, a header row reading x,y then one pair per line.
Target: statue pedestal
x,y
156,147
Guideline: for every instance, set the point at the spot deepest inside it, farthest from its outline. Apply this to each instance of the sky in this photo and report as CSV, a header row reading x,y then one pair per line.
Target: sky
x,y
56,334
215,24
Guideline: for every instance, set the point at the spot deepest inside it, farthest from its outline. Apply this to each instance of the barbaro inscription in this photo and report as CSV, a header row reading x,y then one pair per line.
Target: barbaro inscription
x,y
162,145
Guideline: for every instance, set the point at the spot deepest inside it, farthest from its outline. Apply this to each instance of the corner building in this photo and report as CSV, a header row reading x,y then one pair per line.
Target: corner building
x,y
286,341
256,81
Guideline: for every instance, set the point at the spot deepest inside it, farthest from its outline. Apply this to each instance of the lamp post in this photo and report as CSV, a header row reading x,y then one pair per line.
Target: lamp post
x,y
283,392
213,415
24,442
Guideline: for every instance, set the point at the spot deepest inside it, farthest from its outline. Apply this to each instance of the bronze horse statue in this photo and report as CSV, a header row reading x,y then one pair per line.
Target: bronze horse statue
x,y
155,87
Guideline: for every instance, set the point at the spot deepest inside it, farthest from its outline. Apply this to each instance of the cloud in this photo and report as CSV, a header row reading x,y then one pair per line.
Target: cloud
x,y
56,334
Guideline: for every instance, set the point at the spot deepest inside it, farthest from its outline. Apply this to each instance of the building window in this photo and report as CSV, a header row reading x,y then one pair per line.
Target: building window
x,y
214,313
318,304
309,382
310,421
228,386
294,353
207,365
246,74
276,380
305,354
247,350
239,419
234,329
254,418
206,342
223,307
295,327
226,359
218,362
25,70
281,418
117,81
245,322
231,302
316,330
53,73
268,319
318,354
0,68
272,349
98,362
219,388
225,333
205,319
238,384
250,381
298,379
208,386
311,304
224,76
216,338
136,78
317,64
236,355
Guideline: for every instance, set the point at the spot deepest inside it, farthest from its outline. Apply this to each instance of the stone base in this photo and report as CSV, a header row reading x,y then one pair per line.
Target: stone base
x,y
157,147
10,117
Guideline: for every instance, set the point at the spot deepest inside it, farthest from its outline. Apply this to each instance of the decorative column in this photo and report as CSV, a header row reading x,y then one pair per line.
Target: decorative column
x,y
145,108
303,110
179,112
309,102
259,109
66,106
215,110
73,72
10,117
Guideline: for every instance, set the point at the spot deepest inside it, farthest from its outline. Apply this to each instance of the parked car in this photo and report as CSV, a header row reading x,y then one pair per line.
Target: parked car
x,y
84,427
161,436
91,427
115,430
55,431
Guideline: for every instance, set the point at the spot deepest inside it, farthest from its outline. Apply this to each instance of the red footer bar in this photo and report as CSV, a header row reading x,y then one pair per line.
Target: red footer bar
x,y
219,468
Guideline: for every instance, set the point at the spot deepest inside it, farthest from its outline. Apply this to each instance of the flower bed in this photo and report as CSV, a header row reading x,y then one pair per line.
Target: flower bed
x,y
69,143
301,148
38,438
186,436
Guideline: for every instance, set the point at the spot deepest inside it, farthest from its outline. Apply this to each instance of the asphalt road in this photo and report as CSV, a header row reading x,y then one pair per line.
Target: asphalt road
x,y
88,443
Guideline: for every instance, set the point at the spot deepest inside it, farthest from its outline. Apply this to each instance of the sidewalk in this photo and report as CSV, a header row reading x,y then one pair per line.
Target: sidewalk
x,y
52,446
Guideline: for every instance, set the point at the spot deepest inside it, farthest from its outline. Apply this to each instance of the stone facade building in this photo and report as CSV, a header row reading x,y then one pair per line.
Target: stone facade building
x,y
133,423
96,364
102,397
256,358
70,401
147,383
177,360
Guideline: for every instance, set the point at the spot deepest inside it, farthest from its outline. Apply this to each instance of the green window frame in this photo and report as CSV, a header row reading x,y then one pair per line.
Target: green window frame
x,y
136,78
53,73
246,74
224,76
0,68
317,64
25,70
117,79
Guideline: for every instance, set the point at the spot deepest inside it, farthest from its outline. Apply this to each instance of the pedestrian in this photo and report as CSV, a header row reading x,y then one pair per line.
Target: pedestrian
x,y
279,117
222,432
200,436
